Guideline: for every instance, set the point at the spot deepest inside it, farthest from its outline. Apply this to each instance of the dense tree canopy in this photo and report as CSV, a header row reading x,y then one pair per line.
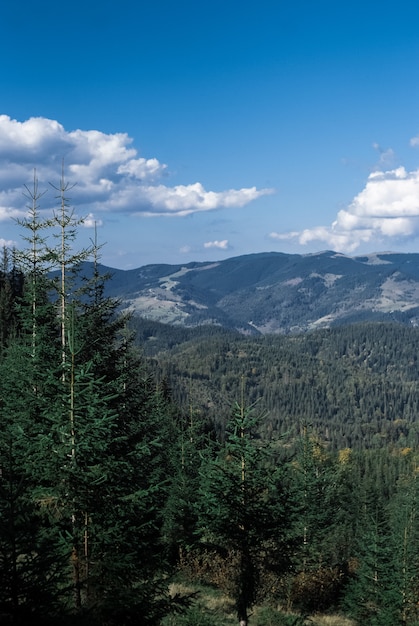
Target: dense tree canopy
x,y
358,386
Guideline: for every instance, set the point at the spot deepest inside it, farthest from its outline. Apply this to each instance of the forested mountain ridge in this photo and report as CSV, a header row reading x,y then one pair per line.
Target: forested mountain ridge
x,y
356,385
275,292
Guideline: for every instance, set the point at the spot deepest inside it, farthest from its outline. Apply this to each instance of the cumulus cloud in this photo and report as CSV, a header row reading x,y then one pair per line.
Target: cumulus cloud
x,y
108,172
222,245
7,243
90,221
386,209
186,199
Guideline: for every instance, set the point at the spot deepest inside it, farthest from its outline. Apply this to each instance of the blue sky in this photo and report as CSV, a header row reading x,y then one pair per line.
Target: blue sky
x,y
197,131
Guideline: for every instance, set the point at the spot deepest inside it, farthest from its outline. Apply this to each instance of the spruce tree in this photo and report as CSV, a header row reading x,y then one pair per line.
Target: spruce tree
x,y
324,523
94,436
243,508
180,513
11,290
372,595
33,557
404,524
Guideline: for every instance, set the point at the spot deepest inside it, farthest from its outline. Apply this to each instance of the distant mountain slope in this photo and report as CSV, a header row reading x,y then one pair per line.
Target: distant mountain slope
x,y
275,292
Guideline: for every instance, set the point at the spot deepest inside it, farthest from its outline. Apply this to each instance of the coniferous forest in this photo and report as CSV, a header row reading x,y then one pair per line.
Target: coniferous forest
x,y
145,470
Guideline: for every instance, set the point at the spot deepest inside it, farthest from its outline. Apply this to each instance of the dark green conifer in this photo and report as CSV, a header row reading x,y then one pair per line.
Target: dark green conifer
x,y
86,439
243,508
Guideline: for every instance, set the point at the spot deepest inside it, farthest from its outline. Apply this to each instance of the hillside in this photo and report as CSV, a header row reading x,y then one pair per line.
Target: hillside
x,y
356,385
274,292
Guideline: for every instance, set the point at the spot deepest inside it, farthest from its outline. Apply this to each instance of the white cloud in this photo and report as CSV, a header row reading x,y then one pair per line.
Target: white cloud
x,y
183,200
387,208
90,221
7,243
20,142
142,168
108,172
222,245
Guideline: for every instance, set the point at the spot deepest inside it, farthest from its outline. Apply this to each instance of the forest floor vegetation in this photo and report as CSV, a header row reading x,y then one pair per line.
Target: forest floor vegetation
x,y
211,607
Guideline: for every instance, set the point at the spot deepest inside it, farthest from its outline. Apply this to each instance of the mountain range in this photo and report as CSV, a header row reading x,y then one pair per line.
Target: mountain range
x,y
274,292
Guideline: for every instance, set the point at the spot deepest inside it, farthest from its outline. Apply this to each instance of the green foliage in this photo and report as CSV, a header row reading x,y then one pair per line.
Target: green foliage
x,y
11,290
357,385
83,450
180,511
243,506
402,511
32,556
325,516
268,616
